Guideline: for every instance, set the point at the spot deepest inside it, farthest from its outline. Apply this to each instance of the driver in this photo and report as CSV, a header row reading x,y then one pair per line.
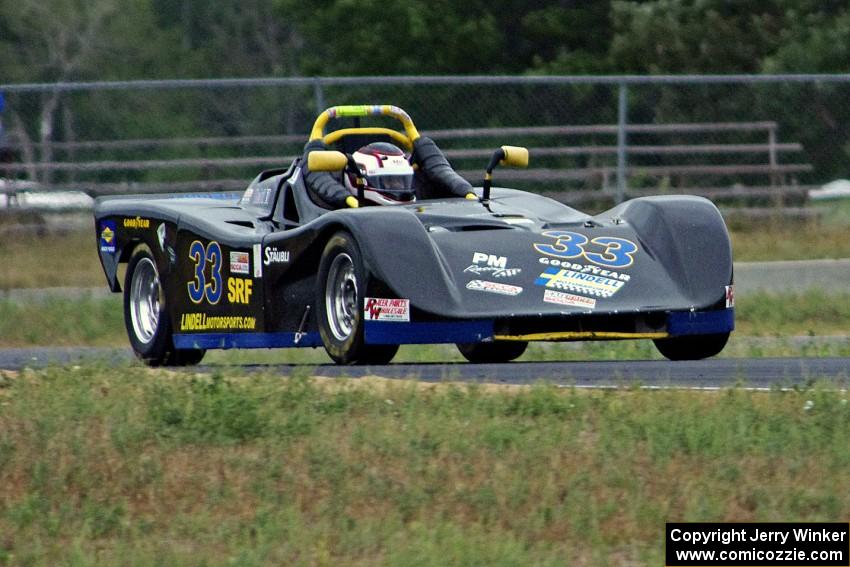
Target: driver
x,y
391,177
388,175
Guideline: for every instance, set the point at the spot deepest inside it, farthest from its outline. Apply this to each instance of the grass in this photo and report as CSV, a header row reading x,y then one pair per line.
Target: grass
x,y
126,466
70,259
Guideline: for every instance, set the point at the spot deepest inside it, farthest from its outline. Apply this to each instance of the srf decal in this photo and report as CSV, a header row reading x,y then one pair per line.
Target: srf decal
x,y
239,290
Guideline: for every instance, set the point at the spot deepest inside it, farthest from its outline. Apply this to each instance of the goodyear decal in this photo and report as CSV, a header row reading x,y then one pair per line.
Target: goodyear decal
x,y
137,222
572,281
107,236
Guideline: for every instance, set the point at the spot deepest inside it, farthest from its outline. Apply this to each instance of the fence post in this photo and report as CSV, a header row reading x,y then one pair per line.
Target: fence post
x,y
318,94
622,111
771,143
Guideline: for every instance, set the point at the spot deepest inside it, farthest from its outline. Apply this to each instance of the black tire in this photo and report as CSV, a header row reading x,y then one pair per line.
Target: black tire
x,y
342,283
146,317
496,351
692,347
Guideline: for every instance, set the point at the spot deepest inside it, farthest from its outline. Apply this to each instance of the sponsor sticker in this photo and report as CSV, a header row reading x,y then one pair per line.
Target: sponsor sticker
x,y
239,290
586,269
258,261
240,263
204,322
730,296
160,235
494,287
491,264
137,222
107,236
584,283
561,298
383,309
275,256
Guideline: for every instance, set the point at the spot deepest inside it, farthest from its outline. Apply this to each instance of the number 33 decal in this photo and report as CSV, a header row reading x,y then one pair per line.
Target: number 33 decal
x,y
199,287
617,253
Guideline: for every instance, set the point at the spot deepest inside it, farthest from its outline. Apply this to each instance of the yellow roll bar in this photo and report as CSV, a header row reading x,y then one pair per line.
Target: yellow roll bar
x,y
362,110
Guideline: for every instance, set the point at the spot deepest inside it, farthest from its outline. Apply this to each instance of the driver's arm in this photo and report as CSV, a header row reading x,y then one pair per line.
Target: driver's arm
x,y
436,169
324,184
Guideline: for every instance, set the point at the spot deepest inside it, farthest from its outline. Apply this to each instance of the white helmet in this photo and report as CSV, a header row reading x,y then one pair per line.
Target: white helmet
x,y
388,175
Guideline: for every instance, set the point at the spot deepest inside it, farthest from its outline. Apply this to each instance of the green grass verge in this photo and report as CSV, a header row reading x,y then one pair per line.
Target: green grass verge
x,y
777,317
109,466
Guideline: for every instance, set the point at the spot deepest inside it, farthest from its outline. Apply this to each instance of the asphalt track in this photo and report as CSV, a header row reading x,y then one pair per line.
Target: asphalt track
x,y
759,373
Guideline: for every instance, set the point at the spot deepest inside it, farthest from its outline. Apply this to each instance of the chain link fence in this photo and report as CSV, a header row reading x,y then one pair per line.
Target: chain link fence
x,y
767,137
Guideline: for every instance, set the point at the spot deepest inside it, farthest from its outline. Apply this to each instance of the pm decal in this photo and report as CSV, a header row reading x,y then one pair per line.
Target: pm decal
x,y
491,264
608,251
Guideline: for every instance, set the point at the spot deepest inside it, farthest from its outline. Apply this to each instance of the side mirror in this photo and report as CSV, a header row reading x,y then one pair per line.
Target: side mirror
x,y
515,156
511,156
320,160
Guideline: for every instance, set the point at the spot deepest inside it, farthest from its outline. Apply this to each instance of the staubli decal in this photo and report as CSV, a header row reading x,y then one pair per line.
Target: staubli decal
x,y
137,222
275,256
608,251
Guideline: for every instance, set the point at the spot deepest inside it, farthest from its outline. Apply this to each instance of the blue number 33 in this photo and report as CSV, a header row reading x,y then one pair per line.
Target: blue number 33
x,y
199,287
616,253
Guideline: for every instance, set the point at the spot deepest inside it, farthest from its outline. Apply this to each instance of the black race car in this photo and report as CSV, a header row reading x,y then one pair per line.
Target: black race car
x,y
486,269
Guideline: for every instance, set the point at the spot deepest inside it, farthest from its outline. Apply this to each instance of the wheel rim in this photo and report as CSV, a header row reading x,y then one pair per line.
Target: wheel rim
x,y
341,297
144,300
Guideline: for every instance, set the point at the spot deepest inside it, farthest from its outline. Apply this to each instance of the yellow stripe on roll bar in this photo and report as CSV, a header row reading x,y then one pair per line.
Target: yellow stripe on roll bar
x,y
395,135
580,336
364,110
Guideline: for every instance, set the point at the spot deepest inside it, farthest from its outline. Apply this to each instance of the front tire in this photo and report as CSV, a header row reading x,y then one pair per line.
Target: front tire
x,y
342,283
146,317
692,347
496,351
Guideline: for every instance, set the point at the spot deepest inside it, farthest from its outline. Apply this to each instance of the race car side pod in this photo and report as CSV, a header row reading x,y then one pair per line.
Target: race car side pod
x,y
511,156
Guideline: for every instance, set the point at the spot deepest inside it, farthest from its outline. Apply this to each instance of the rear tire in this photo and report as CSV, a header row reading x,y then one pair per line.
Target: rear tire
x,y
692,347
342,283
496,351
146,316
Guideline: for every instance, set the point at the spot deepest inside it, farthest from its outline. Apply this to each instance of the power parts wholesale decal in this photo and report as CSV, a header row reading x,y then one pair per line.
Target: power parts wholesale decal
x,y
382,309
